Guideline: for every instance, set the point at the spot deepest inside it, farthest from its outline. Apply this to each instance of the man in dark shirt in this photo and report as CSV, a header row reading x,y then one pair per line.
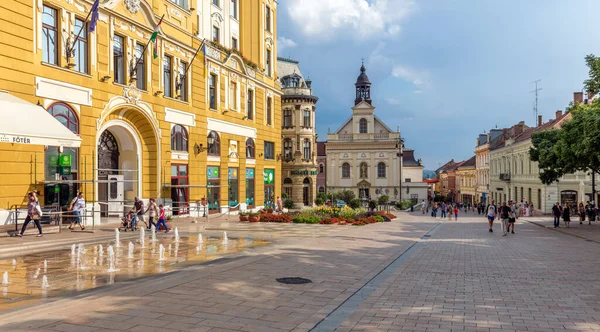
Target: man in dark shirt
x,y
139,211
556,211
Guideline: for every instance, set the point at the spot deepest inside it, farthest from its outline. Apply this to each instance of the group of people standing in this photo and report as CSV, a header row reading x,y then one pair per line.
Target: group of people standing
x,y
447,210
506,213
567,211
138,212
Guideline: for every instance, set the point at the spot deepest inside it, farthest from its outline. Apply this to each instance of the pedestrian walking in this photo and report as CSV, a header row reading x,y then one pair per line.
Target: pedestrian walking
x,y
279,204
491,211
138,206
566,214
503,216
161,219
423,205
443,216
34,212
77,206
512,218
556,212
152,210
531,210
456,213
581,213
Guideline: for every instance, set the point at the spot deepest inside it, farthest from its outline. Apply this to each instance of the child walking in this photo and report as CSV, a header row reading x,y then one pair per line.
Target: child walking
x,y
161,219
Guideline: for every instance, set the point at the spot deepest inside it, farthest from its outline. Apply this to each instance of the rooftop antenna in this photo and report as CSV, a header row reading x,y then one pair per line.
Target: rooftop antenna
x,y
535,106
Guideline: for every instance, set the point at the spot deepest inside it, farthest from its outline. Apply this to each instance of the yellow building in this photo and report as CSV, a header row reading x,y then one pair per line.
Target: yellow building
x,y
160,130
466,177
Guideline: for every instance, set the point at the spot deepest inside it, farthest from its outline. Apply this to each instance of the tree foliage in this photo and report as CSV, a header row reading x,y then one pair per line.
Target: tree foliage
x,y
592,84
573,147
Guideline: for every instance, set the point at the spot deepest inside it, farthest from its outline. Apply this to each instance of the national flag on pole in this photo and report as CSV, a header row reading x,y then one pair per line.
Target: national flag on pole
x,y
153,38
204,53
94,19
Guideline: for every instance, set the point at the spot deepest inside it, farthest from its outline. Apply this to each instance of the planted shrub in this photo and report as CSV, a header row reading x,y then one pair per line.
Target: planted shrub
x,y
354,203
373,205
288,204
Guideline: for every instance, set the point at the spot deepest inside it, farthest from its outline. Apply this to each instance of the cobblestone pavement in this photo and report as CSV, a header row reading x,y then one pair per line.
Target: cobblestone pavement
x,y
461,277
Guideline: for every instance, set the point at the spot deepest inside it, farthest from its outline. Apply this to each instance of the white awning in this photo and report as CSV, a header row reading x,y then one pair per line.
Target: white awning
x,y
22,122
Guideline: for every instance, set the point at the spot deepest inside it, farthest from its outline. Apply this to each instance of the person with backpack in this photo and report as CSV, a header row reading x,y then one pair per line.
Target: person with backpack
x,y
34,212
491,211
505,213
556,212
77,206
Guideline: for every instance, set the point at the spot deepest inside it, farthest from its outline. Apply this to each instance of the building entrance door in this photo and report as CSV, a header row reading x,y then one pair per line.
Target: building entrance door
x,y
306,192
115,195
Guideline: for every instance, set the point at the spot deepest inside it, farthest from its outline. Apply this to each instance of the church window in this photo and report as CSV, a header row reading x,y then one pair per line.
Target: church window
x,y
381,170
345,170
362,126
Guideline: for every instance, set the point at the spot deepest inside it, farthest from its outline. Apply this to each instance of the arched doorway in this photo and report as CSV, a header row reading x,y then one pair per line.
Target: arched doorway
x,y
110,189
306,192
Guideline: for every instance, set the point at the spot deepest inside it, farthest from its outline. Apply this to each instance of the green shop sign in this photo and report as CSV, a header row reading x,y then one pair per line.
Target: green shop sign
x,y
304,172
213,172
65,170
65,160
53,161
269,175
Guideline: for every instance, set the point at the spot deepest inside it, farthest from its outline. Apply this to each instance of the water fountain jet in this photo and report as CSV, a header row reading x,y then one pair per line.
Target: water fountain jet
x,y
117,242
130,252
45,282
111,259
161,252
176,234
225,239
5,278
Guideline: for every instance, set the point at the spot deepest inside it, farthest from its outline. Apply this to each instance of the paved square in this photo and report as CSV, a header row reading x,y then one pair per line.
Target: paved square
x,y
460,278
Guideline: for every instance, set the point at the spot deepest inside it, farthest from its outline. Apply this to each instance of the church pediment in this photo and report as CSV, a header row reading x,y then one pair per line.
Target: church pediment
x,y
364,184
363,105
381,127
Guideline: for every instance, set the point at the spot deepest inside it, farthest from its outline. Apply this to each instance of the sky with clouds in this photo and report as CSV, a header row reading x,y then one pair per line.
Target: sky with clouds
x,y
442,70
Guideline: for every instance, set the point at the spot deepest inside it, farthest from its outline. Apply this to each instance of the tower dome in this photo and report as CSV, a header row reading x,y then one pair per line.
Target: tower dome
x,y
363,87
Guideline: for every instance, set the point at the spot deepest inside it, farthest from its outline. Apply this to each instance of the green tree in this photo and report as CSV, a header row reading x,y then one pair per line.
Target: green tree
x,y
384,199
573,147
592,84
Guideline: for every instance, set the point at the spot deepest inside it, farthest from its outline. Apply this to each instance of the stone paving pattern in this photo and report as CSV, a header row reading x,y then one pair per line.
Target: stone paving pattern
x,y
462,278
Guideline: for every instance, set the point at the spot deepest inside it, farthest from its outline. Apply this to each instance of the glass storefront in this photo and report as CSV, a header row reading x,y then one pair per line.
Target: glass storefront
x,y
269,181
213,188
250,187
53,171
234,192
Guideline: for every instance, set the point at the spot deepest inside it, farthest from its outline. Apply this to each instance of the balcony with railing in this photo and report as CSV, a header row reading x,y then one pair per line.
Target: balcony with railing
x,y
364,137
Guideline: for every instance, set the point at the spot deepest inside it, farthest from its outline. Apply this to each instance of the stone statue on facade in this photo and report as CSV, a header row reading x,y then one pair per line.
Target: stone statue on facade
x,y
363,171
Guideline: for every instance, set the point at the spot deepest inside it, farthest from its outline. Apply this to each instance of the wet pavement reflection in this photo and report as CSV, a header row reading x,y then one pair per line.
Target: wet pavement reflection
x,y
31,278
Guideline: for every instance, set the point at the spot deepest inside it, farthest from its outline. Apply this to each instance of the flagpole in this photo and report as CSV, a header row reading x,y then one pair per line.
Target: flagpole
x,y
194,58
70,49
143,52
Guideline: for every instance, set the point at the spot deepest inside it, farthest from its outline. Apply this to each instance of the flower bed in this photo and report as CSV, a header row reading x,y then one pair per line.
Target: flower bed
x,y
325,216
280,218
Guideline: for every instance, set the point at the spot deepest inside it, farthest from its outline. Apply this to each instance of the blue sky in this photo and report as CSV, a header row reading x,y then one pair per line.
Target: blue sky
x,y
442,70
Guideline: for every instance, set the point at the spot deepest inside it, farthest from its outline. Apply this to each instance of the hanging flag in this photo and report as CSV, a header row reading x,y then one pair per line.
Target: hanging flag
x,y
94,19
153,38
204,52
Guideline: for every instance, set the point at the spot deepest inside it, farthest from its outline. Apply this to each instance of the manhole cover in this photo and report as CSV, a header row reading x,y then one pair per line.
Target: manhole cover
x,y
294,280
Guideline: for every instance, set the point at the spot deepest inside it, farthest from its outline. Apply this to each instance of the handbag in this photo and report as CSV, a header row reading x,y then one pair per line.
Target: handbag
x,y
38,212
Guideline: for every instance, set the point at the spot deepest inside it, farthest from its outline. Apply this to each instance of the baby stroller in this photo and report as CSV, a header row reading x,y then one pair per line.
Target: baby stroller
x,y
128,222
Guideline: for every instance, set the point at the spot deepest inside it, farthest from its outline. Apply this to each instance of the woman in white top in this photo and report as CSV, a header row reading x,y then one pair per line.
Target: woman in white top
x,y
77,206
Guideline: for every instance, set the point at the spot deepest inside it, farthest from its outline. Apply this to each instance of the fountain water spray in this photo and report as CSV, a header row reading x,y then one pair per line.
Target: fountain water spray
x,y
117,242
176,234
73,247
225,239
45,265
142,237
36,274
14,262
200,240
100,250
153,233
111,259
45,282
169,248
130,252
5,278
161,252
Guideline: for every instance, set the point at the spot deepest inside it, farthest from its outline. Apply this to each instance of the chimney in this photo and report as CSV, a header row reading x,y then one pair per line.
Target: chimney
x,y
578,97
558,114
540,120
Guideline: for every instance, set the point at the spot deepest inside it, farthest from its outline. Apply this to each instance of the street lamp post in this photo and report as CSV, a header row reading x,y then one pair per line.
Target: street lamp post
x,y
399,146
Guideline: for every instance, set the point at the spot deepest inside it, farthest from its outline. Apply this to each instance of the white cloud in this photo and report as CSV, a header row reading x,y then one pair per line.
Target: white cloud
x,y
360,19
392,101
417,78
284,43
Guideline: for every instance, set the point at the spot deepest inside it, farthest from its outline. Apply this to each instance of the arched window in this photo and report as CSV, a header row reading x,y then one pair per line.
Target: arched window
x,y
345,170
307,155
321,168
250,148
288,181
214,144
362,126
65,115
381,170
179,139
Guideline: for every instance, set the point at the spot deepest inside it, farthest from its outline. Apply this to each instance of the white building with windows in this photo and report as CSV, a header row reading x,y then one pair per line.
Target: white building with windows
x,y
363,155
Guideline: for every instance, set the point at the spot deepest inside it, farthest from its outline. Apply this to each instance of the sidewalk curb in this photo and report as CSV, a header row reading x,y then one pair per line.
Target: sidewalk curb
x,y
561,231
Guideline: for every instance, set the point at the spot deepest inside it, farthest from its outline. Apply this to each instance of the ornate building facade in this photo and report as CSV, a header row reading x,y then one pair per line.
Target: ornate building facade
x,y
150,124
299,156
366,156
